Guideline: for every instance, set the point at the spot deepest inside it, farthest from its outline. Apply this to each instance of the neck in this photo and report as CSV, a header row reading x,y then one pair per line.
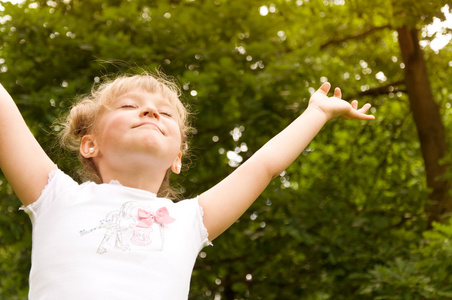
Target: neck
x,y
139,177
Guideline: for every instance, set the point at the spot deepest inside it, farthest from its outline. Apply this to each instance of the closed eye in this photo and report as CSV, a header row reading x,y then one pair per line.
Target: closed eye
x,y
128,106
165,113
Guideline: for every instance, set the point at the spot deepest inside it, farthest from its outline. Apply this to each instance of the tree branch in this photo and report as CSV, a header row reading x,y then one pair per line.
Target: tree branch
x,y
353,37
380,90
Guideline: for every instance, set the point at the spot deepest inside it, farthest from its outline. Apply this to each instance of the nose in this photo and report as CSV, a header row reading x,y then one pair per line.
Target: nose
x,y
151,112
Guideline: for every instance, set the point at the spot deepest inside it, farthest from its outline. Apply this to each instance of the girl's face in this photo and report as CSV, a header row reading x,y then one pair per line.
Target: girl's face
x,y
139,125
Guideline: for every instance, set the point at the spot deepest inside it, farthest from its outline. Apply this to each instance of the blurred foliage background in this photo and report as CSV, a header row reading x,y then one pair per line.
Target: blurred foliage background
x,y
351,218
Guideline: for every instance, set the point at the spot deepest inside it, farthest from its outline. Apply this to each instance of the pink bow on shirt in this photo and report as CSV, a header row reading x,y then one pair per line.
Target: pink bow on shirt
x,y
161,217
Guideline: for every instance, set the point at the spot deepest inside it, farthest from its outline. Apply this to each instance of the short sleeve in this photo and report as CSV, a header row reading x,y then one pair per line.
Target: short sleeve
x,y
58,184
202,229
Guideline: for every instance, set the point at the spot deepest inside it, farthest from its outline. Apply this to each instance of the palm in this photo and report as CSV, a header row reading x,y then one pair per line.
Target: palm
x,y
334,106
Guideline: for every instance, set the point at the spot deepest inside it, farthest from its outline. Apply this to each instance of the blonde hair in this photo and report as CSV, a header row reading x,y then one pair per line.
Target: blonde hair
x,y
83,116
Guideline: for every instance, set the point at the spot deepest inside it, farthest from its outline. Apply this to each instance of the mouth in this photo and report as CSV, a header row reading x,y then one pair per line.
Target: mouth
x,y
149,125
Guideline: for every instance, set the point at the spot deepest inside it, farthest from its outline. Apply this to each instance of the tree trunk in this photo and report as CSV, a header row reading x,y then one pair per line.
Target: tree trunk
x,y
229,293
429,124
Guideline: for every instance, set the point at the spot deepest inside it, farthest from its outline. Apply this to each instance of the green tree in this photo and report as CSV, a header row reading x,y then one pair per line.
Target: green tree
x,y
356,198
425,274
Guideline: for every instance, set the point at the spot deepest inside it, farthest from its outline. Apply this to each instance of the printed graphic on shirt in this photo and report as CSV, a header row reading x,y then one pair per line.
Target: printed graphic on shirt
x,y
132,227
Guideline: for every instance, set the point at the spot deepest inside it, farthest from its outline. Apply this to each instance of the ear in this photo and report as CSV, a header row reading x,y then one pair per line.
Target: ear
x,y
88,147
177,164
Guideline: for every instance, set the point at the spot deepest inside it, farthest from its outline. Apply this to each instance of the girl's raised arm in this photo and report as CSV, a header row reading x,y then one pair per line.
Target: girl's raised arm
x,y
228,200
22,160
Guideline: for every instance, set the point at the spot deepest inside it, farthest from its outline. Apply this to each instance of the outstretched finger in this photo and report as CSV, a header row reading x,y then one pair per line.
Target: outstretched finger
x,y
365,108
337,93
324,88
354,104
358,114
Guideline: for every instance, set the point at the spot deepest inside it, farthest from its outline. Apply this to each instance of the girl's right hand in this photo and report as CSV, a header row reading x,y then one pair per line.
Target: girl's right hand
x,y
24,163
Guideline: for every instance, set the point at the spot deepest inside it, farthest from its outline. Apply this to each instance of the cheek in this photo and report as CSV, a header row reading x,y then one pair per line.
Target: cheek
x,y
173,128
110,129
177,135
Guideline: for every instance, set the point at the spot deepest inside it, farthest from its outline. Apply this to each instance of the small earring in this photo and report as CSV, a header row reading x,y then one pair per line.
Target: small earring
x,y
91,150
178,167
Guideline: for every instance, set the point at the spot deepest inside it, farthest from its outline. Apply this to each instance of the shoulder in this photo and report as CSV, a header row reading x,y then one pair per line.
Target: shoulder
x,y
187,210
58,183
192,213
190,204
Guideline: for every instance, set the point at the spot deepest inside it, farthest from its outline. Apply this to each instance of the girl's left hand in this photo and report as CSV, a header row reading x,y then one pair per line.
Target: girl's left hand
x,y
334,106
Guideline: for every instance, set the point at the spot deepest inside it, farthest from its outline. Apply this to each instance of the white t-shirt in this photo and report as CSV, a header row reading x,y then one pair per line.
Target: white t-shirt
x,y
107,241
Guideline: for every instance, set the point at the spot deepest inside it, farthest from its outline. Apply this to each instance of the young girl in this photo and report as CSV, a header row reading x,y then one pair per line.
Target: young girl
x,y
118,236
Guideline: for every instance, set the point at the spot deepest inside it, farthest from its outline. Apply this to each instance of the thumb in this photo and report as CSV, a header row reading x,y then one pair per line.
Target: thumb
x,y
324,88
